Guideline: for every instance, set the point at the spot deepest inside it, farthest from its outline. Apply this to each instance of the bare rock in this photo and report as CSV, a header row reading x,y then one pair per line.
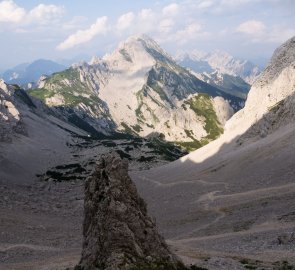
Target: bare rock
x,y
118,233
10,117
287,238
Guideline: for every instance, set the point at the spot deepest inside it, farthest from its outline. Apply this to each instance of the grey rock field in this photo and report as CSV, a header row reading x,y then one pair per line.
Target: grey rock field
x,y
228,205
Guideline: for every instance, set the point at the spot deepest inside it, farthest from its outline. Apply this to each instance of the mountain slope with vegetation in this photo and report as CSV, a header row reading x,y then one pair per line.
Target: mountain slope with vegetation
x,y
138,89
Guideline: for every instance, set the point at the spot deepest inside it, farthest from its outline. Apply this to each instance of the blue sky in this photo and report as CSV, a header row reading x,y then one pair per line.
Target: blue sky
x,y
51,29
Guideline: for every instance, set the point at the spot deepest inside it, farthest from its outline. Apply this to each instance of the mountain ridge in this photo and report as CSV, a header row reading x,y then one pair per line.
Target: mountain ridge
x,y
132,86
24,74
221,61
232,198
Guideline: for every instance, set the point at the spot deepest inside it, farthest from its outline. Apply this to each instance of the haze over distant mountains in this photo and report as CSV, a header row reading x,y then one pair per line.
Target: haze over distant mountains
x,y
219,61
31,72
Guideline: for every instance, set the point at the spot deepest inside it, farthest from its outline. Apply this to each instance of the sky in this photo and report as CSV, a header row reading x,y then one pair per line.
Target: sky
x,y
52,29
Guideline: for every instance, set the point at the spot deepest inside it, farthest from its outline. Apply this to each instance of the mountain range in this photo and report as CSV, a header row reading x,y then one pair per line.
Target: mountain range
x,y
227,205
126,90
130,88
29,73
219,61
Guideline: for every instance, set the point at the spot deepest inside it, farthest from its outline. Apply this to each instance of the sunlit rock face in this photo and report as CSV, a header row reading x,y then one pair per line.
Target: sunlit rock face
x,y
10,117
275,84
141,90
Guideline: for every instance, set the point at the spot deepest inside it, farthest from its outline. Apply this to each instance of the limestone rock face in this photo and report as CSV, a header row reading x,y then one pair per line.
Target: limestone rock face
x,y
138,89
272,92
118,233
10,117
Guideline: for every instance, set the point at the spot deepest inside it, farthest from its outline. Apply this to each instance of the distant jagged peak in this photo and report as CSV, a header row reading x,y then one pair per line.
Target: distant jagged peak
x,y
78,64
200,55
195,54
95,60
219,60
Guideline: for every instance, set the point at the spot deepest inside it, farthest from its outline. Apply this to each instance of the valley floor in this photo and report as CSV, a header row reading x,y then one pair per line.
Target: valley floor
x,y
235,210
232,211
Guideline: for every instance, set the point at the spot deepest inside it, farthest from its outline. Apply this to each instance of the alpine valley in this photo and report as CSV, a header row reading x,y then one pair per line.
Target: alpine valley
x,y
210,144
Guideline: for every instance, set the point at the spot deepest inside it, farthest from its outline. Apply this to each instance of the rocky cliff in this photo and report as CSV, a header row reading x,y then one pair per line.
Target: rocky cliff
x,y
270,94
118,233
10,117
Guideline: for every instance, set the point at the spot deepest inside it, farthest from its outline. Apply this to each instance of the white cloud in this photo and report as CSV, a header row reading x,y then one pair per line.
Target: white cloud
x,y
145,21
74,23
45,13
189,32
252,27
205,4
258,32
83,36
146,14
280,35
11,12
235,3
125,21
166,25
276,34
171,10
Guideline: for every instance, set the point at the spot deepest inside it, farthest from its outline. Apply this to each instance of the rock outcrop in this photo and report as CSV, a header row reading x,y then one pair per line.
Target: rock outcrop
x,y
118,233
10,117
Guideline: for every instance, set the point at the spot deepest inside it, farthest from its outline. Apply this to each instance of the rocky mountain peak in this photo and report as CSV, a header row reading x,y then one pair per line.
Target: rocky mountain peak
x,y
118,233
133,86
95,60
219,60
146,41
137,49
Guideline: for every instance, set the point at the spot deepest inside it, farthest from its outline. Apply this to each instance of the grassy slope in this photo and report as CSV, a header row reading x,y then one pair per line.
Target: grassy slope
x,y
202,106
72,92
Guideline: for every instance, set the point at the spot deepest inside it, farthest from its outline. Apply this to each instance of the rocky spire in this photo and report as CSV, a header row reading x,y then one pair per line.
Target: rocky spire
x,y
118,233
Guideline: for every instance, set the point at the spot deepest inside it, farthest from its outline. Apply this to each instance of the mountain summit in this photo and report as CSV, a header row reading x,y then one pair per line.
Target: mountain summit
x,y
140,89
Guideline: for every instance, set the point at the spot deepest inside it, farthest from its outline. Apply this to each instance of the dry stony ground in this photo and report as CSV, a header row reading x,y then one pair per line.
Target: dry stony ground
x,y
40,225
41,219
236,210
